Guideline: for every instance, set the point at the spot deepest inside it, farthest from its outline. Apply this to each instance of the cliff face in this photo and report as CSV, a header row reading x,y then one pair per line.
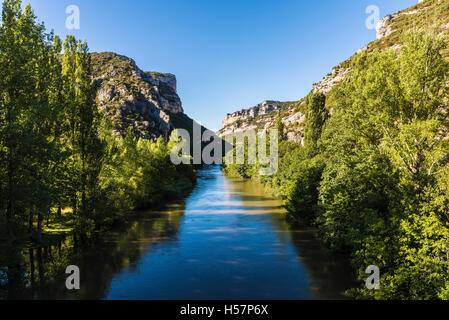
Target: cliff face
x,y
247,118
263,117
130,97
389,32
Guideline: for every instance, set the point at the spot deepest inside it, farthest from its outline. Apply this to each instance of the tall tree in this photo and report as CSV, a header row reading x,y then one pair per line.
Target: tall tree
x,y
316,115
26,111
82,125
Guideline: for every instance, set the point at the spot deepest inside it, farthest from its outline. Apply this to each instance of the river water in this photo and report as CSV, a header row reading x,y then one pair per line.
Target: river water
x,y
226,240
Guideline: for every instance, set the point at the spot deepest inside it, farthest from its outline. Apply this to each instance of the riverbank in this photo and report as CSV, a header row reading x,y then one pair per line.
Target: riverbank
x,y
227,239
58,227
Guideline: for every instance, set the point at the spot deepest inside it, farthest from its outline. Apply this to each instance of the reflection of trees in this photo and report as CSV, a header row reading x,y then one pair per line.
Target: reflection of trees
x,y
330,273
40,272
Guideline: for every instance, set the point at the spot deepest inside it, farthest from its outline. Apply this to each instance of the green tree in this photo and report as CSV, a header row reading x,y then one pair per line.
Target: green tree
x,y
386,145
280,127
316,115
82,127
27,114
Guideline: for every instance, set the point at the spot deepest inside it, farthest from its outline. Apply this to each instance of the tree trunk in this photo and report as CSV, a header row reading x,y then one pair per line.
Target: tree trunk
x,y
39,226
48,218
74,206
40,266
30,223
11,205
32,271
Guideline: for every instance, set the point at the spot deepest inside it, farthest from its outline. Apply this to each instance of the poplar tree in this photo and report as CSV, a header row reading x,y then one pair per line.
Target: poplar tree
x,y
82,126
315,118
26,113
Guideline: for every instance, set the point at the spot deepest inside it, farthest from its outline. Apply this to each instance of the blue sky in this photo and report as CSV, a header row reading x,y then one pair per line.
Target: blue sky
x,y
226,54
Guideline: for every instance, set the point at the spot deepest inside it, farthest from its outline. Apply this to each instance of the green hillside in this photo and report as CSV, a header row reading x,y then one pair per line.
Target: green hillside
x,y
372,172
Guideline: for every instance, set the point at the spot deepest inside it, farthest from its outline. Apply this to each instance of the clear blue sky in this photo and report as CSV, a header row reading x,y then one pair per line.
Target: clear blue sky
x,y
226,54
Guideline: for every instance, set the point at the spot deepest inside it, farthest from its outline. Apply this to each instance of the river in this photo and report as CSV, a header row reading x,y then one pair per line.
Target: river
x,y
227,240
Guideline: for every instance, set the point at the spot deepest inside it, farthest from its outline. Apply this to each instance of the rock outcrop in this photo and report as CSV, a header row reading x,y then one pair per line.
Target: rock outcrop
x,y
264,117
247,118
130,97
382,28
385,28
245,114
331,80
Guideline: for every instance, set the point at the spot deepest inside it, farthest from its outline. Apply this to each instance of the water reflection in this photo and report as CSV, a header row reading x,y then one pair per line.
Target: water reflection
x,y
227,240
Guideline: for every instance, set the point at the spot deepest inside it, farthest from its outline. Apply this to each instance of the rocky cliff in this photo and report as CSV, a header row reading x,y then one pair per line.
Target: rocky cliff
x,y
129,97
248,118
264,116
389,32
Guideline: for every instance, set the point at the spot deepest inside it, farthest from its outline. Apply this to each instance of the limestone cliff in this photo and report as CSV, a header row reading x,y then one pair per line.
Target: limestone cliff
x,y
243,120
129,97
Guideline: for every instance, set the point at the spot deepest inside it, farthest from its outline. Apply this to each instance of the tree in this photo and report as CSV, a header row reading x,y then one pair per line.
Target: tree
x,y
82,126
316,115
27,113
280,127
386,143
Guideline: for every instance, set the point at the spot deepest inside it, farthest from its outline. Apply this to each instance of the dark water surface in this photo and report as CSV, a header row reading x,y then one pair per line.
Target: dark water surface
x,y
227,240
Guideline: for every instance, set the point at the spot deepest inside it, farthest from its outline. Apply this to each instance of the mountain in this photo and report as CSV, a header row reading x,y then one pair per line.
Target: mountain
x,y
146,101
251,118
389,32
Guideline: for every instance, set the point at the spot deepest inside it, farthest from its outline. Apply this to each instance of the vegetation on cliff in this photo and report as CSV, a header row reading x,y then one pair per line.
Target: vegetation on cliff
x,y
293,113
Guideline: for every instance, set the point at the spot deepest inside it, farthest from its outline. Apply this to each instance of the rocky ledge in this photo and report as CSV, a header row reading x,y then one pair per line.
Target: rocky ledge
x,y
243,120
130,97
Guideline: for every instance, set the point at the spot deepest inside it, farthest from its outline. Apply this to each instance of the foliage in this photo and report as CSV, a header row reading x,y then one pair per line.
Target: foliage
x,y
59,160
315,118
373,178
